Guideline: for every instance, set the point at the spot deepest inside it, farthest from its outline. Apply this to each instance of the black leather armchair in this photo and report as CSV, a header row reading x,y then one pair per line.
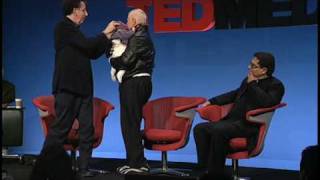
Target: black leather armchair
x,y
12,130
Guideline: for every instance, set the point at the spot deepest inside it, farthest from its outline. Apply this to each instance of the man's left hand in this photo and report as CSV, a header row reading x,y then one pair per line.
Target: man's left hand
x,y
251,77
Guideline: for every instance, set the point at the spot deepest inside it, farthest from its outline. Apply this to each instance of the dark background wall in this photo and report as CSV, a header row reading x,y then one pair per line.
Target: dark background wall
x,y
187,64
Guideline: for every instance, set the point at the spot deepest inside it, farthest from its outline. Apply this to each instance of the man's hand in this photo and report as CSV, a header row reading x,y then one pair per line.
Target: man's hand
x,y
251,77
207,103
112,26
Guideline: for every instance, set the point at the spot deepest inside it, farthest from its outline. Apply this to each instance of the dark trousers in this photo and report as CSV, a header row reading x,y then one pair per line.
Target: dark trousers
x,y
212,142
134,93
68,107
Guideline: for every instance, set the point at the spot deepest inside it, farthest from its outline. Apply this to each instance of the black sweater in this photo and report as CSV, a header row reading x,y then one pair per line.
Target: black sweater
x,y
72,71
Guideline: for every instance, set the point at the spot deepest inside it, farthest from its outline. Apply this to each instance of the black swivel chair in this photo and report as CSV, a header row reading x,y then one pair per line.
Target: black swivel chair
x,y
12,130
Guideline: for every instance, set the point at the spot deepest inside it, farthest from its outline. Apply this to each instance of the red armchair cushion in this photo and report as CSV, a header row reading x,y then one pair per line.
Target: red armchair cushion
x,y
162,135
238,143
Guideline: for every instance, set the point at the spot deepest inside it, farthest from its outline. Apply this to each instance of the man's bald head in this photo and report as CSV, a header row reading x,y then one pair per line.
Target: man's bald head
x,y
137,16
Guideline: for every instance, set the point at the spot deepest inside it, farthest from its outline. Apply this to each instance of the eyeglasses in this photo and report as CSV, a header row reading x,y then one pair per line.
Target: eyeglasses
x,y
253,66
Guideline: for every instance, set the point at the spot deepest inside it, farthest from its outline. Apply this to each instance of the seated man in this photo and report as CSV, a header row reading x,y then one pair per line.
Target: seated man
x,y
259,89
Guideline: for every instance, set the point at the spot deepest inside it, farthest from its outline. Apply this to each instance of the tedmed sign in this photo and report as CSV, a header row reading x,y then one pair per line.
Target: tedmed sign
x,y
203,15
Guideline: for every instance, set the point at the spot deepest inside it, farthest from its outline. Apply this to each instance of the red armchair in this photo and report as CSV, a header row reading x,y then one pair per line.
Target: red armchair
x,y
101,109
261,116
167,124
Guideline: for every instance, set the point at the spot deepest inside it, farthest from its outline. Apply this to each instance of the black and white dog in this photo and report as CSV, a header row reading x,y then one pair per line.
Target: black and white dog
x,y
119,43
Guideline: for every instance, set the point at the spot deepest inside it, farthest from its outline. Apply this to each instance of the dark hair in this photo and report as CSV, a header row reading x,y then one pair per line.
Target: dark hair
x,y
68,5
266,60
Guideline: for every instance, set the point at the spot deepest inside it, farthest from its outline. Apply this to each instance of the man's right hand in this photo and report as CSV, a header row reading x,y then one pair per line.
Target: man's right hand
x,y
112,26
207,103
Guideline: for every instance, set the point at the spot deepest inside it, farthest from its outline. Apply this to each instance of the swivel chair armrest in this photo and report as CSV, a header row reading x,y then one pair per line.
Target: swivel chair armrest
x,y
254,116
210,113
40,106
196,102
43,113
214,113
189,114
105,107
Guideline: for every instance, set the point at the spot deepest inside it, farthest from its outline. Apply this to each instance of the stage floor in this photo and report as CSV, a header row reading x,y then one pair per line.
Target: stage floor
x,y
22,171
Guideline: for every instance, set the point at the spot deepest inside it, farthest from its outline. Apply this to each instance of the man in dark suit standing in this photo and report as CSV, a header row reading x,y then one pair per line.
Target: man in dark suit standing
x,y
259,89
72,80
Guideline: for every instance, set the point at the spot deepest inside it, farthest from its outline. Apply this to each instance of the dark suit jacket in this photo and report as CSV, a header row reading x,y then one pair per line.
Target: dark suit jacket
x,y
264,93
72,71
256,94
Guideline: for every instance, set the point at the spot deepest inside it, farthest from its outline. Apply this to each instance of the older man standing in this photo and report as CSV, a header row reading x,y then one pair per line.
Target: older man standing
x,y
135,89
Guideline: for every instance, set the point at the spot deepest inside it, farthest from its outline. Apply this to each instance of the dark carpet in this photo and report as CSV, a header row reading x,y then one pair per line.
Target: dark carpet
x,y
21,171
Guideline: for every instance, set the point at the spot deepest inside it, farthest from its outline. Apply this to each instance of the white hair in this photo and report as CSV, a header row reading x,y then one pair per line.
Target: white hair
x,y
139,15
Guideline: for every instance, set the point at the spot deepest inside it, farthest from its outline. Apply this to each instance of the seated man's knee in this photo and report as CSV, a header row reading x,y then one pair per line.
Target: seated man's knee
x,y
217,130
199,128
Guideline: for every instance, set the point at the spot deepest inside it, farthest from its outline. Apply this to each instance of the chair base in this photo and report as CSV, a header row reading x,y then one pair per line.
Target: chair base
x,y
168,172
76,169
165,170
98,171
6,155
235,174
241,178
